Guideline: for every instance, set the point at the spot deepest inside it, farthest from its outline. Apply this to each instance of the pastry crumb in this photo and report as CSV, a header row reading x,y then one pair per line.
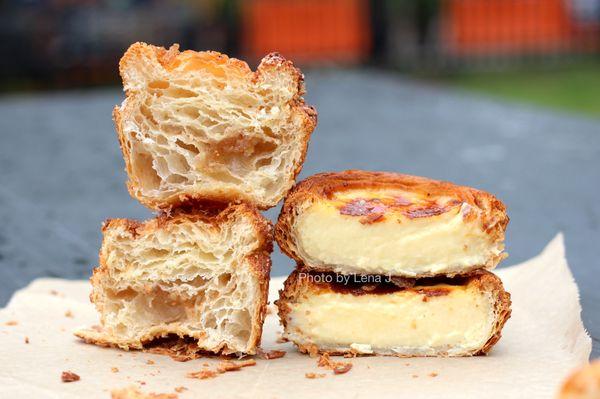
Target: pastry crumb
x,y
223,367
26,340
313,376
180,389
337,367
342,368
312,350
229,365
415,376
324,361
270,355
134,393
69,314
149,361
433,374
11,323
114,369
69,376
202,374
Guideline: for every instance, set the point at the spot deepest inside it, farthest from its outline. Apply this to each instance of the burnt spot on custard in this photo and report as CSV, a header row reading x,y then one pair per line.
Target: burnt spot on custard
x,y
373,210
424,212
363,207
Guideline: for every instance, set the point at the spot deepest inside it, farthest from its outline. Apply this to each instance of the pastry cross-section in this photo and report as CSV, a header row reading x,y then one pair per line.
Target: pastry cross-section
x,y
201,277
201,125
387,223
460,316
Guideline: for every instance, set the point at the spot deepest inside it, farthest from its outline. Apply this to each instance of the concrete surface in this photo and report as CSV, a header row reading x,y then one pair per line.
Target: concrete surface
x,y
62,174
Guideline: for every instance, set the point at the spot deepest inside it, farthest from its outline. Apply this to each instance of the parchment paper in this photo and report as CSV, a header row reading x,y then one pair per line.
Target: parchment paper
x,y
541,343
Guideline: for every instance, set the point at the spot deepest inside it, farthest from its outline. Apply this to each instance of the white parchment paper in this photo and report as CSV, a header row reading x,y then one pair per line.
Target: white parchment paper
x,y
541,343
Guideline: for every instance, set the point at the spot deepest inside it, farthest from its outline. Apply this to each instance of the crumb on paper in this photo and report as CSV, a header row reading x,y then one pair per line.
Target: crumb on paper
x,y
433,374
313,351
205,364
270,355
180,389
415,376
134,393
11,323
69,314
141,382
149,361
223,367
26,340
114,369
337,367
229,365
407,364
342,368
69,376
202,374
53,292
313,376
324,361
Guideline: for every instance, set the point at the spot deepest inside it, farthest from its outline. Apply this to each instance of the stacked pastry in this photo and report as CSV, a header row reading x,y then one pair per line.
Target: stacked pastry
x,y
206,142
392,264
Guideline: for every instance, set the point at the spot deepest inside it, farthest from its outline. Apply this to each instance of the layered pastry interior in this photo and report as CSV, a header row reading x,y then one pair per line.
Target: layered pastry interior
x,y
399,232
375,314
204,280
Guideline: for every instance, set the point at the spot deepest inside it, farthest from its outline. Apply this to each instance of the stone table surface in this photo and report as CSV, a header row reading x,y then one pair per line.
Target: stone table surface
x,y
61,171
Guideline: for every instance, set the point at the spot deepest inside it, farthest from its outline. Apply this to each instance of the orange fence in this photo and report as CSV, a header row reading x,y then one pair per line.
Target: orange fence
x,y
513,26
307,31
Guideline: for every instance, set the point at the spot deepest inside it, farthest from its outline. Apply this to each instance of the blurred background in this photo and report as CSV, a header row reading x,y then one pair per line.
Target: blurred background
x,y
543,51
503,95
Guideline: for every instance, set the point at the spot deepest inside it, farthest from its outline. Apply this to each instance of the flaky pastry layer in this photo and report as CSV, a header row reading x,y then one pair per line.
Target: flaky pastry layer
x,y
201,276
203,126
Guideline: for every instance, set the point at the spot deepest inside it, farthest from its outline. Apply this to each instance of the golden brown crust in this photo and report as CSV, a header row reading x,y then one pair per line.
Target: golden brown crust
x,y
323,186
296,287
214,214
489,282
259,260
169,59
582,383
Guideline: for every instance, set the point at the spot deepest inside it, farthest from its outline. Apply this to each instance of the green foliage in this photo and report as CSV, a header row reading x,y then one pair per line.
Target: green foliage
x,y
574,88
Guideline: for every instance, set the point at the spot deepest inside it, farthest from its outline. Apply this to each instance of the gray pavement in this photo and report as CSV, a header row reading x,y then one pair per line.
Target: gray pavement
x,y
61,172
